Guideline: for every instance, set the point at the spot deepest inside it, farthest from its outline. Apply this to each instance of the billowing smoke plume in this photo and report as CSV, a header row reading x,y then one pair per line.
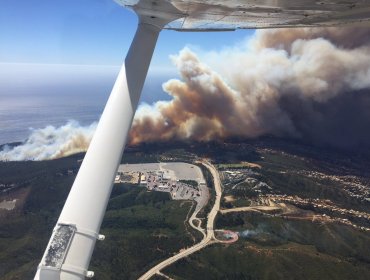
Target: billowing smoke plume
x,y
307,83
342,37
51,142
312,84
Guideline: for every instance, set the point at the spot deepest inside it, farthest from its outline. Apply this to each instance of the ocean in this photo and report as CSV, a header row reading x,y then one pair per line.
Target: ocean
x,y
35,96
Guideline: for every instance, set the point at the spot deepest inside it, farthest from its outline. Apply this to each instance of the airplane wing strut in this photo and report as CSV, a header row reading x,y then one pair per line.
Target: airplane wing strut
x,y
68,253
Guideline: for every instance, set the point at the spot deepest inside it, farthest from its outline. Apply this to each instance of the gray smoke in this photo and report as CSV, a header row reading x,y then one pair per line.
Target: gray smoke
x,y
248,233
51,142
311,84
304,83
342,37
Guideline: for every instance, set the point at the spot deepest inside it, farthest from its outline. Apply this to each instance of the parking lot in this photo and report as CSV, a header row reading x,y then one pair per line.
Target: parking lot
x,y
166,177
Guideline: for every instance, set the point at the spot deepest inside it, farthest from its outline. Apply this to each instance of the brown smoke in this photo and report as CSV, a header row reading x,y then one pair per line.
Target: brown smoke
x,y
286,82
312,84
342,37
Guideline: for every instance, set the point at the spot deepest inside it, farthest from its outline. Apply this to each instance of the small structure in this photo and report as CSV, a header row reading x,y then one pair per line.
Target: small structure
x,y
143,179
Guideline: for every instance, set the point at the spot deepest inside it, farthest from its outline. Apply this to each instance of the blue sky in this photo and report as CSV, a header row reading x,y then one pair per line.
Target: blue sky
x,y
93,32
59,60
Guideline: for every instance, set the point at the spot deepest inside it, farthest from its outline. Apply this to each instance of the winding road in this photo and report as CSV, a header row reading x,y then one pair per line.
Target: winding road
x,y
207,239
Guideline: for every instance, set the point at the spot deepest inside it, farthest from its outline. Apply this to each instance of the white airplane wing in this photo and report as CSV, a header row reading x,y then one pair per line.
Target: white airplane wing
x,y
239,14
68,253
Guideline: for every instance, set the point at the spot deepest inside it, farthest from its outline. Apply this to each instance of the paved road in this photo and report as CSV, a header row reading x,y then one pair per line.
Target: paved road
x,y
251,208
216,206
207,239
199,227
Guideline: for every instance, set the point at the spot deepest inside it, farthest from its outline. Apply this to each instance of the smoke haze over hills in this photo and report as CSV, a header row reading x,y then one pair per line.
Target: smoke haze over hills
x,y
51,142
311,84
303,83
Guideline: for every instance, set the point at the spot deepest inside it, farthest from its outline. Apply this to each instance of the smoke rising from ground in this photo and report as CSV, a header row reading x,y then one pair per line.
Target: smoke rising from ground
x,y
304,83
311,84
51,142
248,233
